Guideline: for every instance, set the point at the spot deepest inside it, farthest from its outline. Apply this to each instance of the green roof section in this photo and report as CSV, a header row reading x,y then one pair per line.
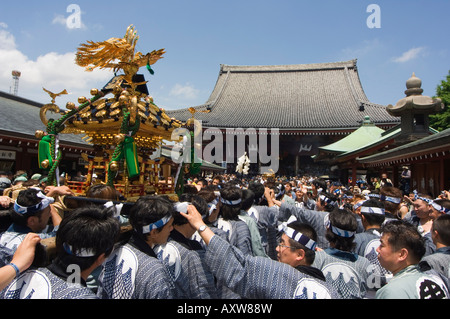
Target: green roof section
x,y
367,134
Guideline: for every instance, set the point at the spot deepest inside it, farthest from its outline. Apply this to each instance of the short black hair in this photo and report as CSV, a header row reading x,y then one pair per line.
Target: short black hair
x,y
442,226
230,212
402,234
90,227
149,209
26,198
248,198
197,201
258,189
345,220
373,219
308,231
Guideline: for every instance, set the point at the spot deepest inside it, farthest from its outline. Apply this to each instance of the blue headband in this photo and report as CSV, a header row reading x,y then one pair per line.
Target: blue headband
x,y
416,196
372,210
394,200
327,200
440,208
158,224
230,202
340,232
44,203
83,252
300,238
358,204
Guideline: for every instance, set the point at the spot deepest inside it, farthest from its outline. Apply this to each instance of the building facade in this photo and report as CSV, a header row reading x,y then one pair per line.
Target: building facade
x,y
306,105
19,121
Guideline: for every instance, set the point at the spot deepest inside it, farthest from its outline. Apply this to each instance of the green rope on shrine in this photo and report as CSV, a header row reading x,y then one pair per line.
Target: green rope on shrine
x,y
125,150
150,70
47,144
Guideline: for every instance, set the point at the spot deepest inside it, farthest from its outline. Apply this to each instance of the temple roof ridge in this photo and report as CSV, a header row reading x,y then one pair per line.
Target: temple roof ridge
x,y
289,67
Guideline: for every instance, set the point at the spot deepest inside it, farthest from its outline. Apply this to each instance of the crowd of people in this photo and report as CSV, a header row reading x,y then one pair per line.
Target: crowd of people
x,y
226,237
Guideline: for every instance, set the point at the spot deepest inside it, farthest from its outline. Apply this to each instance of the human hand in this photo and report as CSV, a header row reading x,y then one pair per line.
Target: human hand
x,y
5,201
269,193
51,191
24,255
193,216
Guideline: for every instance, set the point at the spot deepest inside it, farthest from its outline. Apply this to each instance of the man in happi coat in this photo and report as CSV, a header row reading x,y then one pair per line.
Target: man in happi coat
x,y
255,277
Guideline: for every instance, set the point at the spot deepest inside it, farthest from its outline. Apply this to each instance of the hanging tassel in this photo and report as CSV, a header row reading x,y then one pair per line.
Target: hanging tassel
x,y
149,68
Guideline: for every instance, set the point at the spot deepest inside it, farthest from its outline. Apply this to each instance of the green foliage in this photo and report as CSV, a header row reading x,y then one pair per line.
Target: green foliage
x,y
441,121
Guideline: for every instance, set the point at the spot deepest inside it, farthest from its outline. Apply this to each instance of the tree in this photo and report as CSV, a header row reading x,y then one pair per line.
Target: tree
x,y
441,121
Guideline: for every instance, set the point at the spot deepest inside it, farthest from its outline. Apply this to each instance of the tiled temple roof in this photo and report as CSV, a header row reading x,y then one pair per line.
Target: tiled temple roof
x,y
294,97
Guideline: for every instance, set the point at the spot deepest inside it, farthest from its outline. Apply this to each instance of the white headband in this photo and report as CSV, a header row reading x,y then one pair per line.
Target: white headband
x,y
327,200
372,210
44,203
83,252
395,200
231,202
117,208
440,208
300,238
212,206
340,232
358,204
181,207
158,224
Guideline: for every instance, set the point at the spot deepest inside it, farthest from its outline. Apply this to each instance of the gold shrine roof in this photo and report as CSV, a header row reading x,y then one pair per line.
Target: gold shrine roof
x,y
123,105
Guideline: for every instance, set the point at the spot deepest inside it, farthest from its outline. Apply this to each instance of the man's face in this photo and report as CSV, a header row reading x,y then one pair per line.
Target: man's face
x,y
285,254
42,221
421,208
162,236
215,182
387,257
434,213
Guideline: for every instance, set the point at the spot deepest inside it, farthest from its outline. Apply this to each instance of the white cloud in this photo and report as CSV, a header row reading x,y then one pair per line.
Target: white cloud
x,y
186,91
409,55
7,40
54,71
60,19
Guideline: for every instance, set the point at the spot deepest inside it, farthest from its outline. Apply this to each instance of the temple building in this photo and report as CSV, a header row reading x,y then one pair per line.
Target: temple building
x,y
412,144
18,145
309,105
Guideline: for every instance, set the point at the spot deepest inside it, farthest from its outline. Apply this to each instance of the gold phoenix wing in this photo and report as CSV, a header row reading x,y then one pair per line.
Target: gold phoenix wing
x,y
116,54
55,95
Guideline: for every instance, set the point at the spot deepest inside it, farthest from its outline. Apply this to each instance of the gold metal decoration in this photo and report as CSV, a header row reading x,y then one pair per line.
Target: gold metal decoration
x,y
117,54
127,121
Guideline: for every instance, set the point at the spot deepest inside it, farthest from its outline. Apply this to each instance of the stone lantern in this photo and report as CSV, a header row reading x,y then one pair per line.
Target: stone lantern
x,y
414,111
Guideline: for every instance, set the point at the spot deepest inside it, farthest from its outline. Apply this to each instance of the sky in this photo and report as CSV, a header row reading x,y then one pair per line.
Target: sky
x,y
390,39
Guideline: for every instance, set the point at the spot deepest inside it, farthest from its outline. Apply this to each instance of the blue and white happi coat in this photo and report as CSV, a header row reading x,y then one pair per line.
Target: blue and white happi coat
x,y
15,234
347,272
415,282
440,261
266,220
260,277
129,273
317,219
192,279
238,234
41,283
366,245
